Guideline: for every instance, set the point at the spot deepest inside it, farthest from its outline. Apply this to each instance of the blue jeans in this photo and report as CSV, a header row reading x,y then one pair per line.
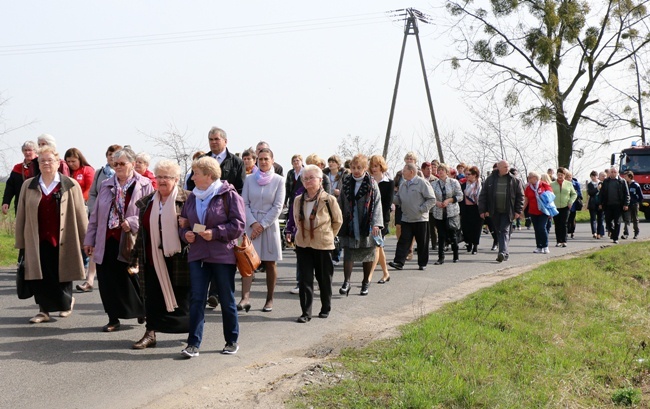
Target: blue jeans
x,y
503,228
223,275
541,234
596,217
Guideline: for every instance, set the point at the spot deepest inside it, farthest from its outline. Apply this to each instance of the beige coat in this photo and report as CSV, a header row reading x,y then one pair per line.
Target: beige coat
x,y
73,229
325,227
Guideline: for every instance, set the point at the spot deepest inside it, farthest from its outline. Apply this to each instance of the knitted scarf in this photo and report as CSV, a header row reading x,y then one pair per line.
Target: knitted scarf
x,y
365,194
312,215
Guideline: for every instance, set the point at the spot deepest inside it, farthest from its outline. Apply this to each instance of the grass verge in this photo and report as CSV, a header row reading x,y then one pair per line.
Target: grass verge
x,y
8,254
570,334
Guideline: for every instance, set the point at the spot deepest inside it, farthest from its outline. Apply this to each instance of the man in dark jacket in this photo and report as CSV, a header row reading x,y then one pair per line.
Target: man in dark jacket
x,y
232,167
502,199
615,199
632,214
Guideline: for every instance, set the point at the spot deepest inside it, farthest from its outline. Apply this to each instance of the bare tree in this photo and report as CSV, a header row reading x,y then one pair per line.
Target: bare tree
x,y
174,145
5,146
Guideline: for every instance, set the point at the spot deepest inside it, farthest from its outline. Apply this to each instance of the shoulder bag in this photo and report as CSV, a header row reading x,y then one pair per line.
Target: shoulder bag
x,y
247,258
22,288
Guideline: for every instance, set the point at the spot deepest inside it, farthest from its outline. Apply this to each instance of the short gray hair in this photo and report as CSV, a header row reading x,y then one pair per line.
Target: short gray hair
x,y
311,169
144,157
128,152
411,166
48,139
219,131
29,145
169,166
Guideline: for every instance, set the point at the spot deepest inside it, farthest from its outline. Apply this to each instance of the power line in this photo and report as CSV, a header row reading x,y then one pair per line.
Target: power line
x,y
196,35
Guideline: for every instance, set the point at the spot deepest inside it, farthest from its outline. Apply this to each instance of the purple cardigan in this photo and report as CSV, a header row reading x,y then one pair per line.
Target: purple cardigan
x,y
98,223
226,229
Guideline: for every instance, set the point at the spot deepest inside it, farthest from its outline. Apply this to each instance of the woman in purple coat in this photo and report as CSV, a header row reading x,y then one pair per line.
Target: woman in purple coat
x,y
114,218
216,218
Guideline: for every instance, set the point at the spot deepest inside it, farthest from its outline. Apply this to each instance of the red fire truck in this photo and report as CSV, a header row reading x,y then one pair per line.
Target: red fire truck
x,y
637,159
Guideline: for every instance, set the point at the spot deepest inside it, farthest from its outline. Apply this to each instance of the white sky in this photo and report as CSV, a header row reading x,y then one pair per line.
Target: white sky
x,y
302,87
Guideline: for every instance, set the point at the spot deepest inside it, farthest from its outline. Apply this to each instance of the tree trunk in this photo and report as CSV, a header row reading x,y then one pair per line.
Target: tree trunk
x,y
564,142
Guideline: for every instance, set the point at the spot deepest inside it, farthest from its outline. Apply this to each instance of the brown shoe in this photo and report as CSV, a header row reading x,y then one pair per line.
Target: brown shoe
x,y
147,341
111,327
85,287
66,314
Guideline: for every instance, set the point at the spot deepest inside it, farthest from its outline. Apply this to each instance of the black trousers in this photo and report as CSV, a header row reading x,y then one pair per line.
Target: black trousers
x,y
314,263
472,224
613,215
561,221
445,235
419,230
433,234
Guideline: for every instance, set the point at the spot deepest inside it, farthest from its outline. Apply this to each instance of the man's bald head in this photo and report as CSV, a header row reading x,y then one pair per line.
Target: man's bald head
x,y
503,167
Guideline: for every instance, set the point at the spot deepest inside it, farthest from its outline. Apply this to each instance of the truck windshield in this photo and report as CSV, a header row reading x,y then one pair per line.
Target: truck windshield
x,y
639,164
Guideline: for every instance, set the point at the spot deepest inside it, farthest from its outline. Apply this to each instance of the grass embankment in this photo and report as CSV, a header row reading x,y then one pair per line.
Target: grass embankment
x,y
8,254
569,334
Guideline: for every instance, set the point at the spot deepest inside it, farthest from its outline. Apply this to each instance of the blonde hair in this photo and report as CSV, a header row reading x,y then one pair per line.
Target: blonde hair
x,y
49,149
411,155
169,166
360,159
378,160
208,166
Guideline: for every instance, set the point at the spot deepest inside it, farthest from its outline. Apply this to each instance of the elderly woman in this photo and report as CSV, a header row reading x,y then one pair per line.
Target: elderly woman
x,y
164,274
114,218
360,203
216,218
142,161
103,173
48,140
565,195
533,202
263,196
24,170
51,213
386,185
447,211
318,218
471,222
81,170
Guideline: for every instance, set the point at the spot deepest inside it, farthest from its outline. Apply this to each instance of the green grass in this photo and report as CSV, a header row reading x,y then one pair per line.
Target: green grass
x,y
582,216
8,254
570,334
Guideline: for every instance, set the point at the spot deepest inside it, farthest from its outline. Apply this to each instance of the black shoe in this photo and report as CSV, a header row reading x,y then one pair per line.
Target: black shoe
x,y
364,288
382,281
468,247
323,314
213,301
506,257
303,319
422,268
244,307
636,236
396,266
345,289
434,248
475,249
439,262
501,257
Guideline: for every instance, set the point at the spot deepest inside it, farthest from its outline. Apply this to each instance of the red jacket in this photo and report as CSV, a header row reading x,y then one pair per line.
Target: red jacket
x,y
84,175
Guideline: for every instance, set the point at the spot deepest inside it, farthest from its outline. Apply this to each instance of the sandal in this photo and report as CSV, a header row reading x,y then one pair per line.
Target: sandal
x,y
40,317
85,287
66,314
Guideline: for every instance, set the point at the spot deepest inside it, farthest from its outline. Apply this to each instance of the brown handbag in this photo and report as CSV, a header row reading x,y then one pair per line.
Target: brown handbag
x,y
247,259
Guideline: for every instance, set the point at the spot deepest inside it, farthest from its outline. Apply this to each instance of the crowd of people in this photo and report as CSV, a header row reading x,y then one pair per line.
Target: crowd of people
x,y
162,247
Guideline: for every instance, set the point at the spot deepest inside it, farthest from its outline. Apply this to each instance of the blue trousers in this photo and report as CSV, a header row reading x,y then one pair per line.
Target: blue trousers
x,y
223,275
541,234
503,228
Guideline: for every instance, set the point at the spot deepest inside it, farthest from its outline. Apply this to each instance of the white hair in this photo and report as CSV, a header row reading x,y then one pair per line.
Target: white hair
x,y
48,139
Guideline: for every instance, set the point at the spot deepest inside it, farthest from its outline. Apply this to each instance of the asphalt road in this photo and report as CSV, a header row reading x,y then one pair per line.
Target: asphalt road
x,y
69,363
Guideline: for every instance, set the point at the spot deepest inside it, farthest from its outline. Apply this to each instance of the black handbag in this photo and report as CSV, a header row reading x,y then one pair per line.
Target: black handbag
x,y
22,288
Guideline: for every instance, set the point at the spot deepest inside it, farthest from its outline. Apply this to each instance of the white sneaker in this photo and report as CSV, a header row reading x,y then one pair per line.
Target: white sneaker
x,y
538,250
295,290
545,250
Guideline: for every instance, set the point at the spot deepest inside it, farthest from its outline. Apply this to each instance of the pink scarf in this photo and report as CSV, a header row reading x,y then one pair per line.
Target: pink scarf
x,y
263,178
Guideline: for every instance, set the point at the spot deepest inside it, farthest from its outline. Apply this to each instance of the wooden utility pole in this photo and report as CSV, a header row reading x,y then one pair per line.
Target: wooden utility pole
x,y
411,28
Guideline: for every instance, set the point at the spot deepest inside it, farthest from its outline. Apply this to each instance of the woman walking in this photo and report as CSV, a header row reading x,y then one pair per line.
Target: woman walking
x,y
447,212
318,219
360,204
263,196
51,213
115,218
386,185
161,257
471,222
535,202
565,195
596,216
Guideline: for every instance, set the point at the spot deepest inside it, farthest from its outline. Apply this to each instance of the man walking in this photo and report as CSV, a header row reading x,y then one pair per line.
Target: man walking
x,y
415,197
502,199
614,199
636,197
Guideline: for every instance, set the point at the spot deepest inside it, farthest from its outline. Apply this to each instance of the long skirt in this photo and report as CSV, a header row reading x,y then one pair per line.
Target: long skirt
x,y
120,292
50,294
158,318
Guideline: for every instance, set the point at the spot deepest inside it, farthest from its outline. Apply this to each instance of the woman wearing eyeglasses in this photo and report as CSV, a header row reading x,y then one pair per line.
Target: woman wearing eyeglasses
x,y
114,218
51,213
263,196
161,257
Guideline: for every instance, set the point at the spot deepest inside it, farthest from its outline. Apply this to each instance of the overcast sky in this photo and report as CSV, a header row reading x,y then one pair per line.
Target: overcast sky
x,y
299,75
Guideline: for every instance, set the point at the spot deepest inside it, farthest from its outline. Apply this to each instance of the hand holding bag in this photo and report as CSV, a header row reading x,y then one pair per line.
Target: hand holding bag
x,y
247,259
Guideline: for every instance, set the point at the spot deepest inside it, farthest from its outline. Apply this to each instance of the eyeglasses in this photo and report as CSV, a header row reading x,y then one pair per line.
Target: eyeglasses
x,y
310,178
116,164
46,161
165,177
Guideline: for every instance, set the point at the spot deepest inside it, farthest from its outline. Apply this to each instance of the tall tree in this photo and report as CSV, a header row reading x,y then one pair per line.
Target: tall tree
x,y
548,56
